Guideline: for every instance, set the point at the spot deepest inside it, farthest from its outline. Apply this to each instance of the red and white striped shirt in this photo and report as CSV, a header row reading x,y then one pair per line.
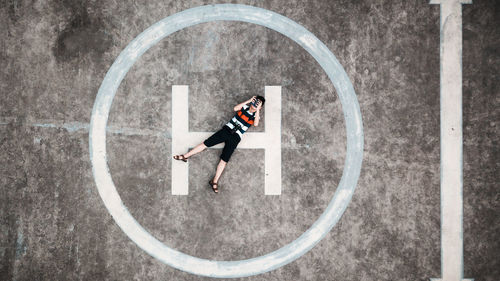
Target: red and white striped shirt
x,y
244,118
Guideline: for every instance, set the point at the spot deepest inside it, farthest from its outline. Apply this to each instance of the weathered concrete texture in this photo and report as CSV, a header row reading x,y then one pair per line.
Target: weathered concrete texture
x,y
54,226
481,101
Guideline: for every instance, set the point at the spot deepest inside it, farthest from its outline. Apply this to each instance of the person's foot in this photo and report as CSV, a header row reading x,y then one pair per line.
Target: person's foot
x,y
181,157
214,186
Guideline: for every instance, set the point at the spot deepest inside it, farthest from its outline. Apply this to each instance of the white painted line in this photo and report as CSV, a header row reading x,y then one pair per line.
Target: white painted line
x,y
273,140
270,141
180,125
451,140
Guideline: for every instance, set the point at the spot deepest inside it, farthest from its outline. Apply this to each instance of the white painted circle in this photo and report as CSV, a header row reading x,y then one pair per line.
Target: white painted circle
x,y
107,189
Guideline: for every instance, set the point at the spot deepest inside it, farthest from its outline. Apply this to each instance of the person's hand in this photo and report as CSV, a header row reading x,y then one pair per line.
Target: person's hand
x,y
251,99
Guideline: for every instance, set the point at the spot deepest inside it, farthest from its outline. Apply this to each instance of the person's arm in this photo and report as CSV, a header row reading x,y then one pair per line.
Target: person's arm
x,y
239,106
257,117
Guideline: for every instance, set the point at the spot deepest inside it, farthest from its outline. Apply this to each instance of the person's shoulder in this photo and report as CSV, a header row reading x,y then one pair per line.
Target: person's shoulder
x,y
245,106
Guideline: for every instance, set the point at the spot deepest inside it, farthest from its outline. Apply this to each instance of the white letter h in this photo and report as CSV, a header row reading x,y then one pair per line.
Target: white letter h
x,y
270,140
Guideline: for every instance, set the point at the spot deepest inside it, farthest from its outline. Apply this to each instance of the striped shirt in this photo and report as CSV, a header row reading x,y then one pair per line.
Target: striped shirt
x,y
243,118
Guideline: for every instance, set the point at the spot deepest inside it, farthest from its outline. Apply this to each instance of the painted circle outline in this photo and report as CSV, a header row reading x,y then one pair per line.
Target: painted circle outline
x,y
353,123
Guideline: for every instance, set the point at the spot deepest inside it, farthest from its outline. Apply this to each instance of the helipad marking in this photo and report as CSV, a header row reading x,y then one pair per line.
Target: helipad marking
x,y
270,140
284,255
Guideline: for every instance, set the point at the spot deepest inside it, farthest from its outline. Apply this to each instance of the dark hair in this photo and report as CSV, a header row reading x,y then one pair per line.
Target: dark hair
x,y
262,99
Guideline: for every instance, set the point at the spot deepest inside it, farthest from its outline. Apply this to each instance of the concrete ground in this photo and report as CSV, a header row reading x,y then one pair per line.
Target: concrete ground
x,y
55,54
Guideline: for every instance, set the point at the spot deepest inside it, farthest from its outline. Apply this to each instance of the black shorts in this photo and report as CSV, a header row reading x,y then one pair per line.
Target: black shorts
x,y
224,135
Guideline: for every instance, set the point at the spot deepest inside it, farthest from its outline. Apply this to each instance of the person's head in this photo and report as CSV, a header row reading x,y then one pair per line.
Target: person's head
x,y
258,102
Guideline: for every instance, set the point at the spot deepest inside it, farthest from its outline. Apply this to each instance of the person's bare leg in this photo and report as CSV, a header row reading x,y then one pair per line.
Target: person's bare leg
x,y
220,168
197,149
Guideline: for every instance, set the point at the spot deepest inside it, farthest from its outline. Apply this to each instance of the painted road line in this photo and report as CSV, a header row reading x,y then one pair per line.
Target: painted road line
x,y
451,140
270,140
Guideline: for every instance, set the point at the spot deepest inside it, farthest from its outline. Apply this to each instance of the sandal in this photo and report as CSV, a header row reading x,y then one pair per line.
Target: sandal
x,y
215,189
178,157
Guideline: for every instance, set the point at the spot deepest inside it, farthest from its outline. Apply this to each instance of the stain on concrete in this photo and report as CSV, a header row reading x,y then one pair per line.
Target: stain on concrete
x,y
13,8
84,35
